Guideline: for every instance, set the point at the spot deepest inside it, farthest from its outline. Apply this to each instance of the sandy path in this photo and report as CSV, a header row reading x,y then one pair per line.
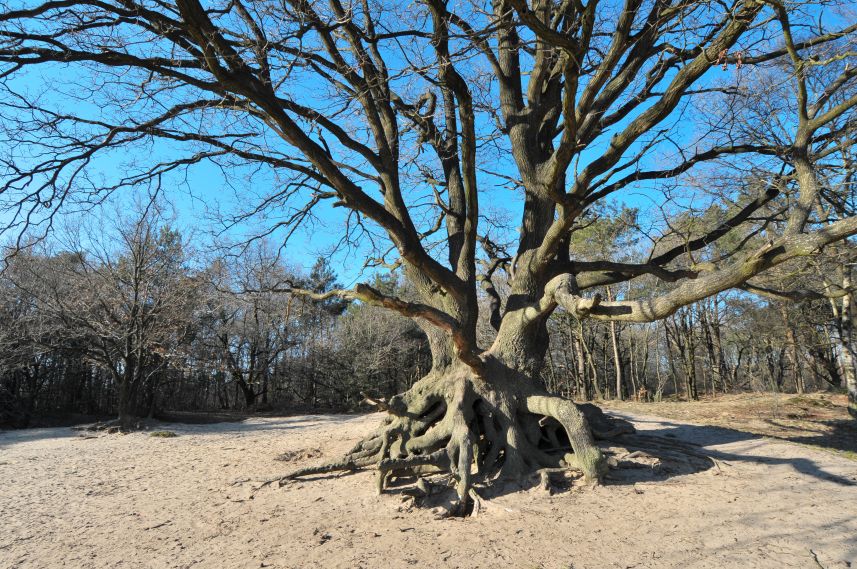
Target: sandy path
x,y
134,501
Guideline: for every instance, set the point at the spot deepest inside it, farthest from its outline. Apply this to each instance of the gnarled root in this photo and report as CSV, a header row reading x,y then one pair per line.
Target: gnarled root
x,y
587,456
458,424
456,456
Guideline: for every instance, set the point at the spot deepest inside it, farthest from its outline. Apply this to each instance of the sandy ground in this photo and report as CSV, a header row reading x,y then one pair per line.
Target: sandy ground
x,y
135,501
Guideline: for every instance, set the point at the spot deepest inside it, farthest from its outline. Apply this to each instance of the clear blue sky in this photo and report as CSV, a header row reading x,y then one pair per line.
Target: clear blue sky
x,y
201,193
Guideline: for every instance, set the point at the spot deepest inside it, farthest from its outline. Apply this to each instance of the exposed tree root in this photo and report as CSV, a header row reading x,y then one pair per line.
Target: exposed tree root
x,y
679,452
482,435
458,424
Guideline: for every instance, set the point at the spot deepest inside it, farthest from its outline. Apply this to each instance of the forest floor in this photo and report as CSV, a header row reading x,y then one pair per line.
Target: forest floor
x,y
96,500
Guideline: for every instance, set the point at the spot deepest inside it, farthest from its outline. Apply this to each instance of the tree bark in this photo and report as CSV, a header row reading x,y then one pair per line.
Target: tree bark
x,y
847,349
498,418
792,350
617,361
123,402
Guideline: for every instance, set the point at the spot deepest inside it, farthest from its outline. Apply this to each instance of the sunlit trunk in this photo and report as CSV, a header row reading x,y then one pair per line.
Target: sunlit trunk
x,y
847,349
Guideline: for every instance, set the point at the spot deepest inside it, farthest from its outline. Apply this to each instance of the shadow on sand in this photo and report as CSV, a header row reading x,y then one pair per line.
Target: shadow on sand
x,y
184,424
669,440
835,434
659,450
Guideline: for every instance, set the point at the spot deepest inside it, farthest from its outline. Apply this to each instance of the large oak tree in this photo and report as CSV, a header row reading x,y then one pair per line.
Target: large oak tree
x,y
409,115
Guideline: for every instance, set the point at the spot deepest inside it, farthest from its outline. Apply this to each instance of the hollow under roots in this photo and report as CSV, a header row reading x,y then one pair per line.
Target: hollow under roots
x,y
476,431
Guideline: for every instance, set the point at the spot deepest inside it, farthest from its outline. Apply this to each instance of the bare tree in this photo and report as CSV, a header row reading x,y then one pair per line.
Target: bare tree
x,y
397,112
250,326
126,308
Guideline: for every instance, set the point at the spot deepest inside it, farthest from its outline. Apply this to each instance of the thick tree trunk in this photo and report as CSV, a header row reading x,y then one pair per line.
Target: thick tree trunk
x,y
249,395
246,388
500,420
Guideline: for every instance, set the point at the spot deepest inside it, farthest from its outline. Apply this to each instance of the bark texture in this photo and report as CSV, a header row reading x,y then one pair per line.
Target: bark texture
x,y
498,424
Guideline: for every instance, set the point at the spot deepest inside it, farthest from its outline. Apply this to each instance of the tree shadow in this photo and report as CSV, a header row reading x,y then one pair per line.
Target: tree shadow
x,y
668,441
835,434
659,451
235,425
261,424
16,436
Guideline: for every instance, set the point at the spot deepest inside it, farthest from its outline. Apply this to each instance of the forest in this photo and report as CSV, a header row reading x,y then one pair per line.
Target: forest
x,y
139,326
136,322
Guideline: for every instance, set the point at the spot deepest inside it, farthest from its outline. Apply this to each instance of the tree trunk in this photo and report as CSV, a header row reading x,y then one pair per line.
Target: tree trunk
x,y
632,369
123,403
593,370
711,337
791,350
847,349
498,418
723,372
825,358
617,360
248,393
661,383
585,390
671,360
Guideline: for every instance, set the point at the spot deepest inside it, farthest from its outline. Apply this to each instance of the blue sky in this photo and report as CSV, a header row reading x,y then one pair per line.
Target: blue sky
x,y
201,192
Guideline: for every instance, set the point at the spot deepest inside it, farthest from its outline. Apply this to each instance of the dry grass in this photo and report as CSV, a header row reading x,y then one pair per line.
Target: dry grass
x,y
163,434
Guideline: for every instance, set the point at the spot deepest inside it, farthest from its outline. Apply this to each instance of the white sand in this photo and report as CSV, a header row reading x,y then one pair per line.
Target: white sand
x,y
133,501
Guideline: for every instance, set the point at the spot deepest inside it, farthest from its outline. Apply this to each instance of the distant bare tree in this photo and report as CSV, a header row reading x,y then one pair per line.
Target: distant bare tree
x,y
250,325
126,307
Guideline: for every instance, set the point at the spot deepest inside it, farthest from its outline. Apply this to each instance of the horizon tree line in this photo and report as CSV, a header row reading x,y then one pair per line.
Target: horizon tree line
x,y
134,326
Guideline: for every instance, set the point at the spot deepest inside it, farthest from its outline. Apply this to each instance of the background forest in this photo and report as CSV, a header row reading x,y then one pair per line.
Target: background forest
x,y
123,316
